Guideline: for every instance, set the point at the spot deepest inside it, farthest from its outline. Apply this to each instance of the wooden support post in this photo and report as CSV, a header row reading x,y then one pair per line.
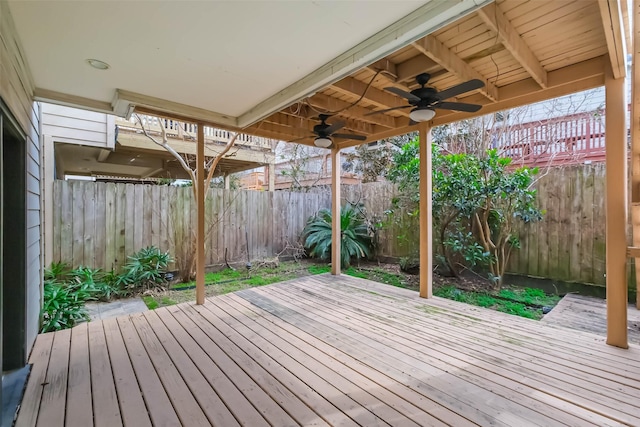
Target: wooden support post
x,y
271,171
635,137
426,215
336,239
227,181
200,177
616,210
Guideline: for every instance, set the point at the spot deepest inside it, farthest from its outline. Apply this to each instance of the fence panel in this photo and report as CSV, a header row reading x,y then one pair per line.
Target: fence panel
x,y
100,224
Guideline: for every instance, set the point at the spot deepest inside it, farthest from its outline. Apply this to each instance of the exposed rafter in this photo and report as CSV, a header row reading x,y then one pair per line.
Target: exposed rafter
x,y
509,37
409,69
438,52
327,103
613,26
380,98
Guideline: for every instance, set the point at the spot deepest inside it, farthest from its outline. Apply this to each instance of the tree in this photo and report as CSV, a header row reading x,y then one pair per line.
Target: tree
x,y
185,258
477,203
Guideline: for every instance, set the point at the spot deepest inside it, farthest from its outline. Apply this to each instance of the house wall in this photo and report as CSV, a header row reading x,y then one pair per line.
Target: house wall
x,y
75,126
16,90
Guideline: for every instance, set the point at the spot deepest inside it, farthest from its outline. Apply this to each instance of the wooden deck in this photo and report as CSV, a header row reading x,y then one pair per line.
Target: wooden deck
x,y
326,350
590,315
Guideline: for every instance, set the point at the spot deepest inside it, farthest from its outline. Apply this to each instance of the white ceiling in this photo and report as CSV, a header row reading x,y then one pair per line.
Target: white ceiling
x,y
226,57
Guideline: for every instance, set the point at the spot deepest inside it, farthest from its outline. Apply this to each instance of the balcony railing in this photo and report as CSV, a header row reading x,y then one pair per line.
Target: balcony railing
x,y
188,131
574,139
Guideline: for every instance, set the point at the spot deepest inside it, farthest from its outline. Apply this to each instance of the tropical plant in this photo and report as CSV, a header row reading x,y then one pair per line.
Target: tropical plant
x,y
145,269
62,307
355,235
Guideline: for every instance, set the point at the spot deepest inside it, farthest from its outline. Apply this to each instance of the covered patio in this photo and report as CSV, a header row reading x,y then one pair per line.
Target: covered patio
x,y
334,349
328,350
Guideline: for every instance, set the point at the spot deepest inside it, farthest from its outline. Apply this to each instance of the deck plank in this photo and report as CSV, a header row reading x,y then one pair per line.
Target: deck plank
x,y
54,392
343,393
79,410
327,350
155,397
213,407
387,390
133,410
248,377
103,387
296,398
184,403
241,407
471,366
39,358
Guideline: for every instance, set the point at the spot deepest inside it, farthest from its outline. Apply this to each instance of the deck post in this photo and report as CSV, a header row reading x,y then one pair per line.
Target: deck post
x,y
635,137
335,211
616,210
200,193
271,172
227,181
426,214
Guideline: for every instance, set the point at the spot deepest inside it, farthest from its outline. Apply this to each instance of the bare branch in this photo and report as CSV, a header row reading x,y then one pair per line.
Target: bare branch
x,y
164,144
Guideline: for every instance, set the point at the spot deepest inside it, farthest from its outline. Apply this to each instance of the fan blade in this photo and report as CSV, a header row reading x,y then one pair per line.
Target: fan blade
x,y
457,106
402,93
388,109
349,136
412,122
334,127
461,88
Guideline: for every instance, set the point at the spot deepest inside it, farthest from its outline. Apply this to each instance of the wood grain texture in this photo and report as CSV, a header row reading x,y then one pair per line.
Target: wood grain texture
x,y
335,350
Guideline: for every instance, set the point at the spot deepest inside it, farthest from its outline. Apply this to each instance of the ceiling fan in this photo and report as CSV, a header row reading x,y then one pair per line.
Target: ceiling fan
x,y
323,132
425,99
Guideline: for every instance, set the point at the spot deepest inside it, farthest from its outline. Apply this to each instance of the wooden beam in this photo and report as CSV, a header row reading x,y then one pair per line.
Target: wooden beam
x,y
426,214
635,139
74,101
336,241
200,194
438,52
409,69
495,19
633,252
328,103
616,211
573,78
175,109
613,26
380,98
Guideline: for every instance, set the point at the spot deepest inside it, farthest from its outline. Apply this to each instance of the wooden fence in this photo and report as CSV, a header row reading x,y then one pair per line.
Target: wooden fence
x,y
568,244
100,224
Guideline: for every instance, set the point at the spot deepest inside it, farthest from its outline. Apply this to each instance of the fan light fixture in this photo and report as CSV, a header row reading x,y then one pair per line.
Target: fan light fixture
x,y
422,114
322,142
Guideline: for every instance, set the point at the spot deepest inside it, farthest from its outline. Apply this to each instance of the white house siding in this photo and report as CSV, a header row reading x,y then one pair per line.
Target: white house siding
x,y
16,90
75,126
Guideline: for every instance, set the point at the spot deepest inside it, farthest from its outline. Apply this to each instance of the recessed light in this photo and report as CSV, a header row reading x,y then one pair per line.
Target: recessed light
x,y
98,65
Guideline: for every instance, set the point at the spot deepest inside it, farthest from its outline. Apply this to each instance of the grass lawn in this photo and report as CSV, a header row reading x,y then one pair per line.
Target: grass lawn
x,y
527,302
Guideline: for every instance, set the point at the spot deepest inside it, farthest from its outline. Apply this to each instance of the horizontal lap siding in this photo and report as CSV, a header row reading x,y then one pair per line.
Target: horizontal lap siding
x,y
16,90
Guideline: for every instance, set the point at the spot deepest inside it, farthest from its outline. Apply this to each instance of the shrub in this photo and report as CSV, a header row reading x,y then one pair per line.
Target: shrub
x,y
356,236
145,269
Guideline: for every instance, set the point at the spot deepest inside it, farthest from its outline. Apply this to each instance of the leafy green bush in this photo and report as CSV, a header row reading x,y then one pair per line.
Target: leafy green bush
x,y
144,270
356,236
66,291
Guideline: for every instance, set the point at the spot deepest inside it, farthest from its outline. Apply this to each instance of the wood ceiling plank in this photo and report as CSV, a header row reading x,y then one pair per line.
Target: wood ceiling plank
x,y
507,34
436,51
611,15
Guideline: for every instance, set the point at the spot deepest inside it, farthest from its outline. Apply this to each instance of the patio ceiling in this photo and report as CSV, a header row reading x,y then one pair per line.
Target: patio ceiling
x,y
204,61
